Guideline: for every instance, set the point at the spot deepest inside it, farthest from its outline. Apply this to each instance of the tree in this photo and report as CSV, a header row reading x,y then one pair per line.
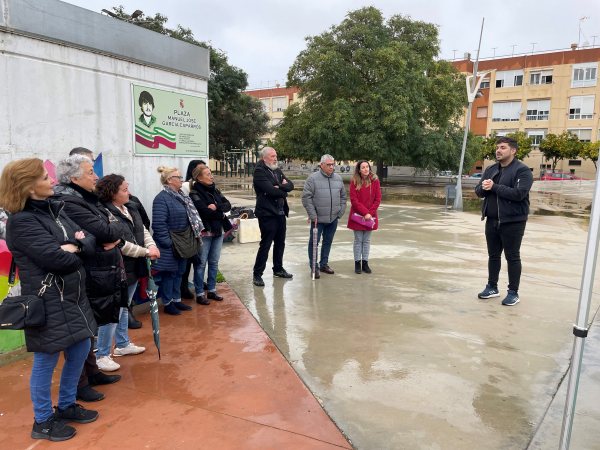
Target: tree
x,y
235,120
557,147
590,151
373,89
487,149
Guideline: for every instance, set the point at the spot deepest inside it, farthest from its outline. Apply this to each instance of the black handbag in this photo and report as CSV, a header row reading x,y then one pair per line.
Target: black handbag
x,y
23,311
185,244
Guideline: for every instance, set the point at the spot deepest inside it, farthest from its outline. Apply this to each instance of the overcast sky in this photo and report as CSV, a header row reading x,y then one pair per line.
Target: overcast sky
x,y
263,37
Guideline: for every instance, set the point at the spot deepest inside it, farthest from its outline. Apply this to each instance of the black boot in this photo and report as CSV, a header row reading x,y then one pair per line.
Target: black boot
x,y
133,323
365,266
357,267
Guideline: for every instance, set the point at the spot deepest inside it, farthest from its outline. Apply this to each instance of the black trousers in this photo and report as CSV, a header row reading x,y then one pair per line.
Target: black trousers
x,y
505,237
89,367
272,231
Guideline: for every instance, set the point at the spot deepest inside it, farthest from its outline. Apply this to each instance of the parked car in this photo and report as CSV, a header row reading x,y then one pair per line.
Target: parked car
x,y
558,176
476,175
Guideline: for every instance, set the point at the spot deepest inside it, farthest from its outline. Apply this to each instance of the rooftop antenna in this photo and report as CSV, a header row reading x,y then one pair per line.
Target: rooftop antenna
x,y
533,47
581,20
513,49
494,48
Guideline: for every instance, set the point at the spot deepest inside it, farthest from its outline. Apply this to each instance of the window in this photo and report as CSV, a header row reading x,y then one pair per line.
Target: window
x,y
540,77
536,136
482,112
509,78
266,102
584,134
500,133
574,162
584,75
581,107
485,84
279,103
506,111
538,109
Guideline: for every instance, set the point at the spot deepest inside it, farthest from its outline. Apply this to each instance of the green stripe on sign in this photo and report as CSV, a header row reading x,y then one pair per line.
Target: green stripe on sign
x,y
164,133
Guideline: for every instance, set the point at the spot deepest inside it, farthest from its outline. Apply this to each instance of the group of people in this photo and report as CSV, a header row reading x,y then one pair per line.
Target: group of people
x,y
324,199
504,188
87,242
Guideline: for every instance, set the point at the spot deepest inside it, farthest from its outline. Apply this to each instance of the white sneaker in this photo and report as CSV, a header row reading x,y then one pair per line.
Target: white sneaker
x,y
106,364
131,349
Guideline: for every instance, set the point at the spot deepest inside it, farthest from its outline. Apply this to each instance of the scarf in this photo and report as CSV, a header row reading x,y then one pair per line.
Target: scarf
x,y
190,209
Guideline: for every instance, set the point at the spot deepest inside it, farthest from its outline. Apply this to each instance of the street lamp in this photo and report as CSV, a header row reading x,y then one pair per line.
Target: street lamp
x,y
473,82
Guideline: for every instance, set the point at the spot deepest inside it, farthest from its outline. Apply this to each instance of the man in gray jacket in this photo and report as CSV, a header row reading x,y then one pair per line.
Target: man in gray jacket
x,y
324,198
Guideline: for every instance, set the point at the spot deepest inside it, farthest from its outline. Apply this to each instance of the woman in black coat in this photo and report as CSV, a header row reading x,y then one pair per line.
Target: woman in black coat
x,y
46,245
212,206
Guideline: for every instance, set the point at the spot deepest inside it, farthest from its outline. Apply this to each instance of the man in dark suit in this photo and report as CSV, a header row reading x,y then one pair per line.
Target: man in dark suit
x,y
271,187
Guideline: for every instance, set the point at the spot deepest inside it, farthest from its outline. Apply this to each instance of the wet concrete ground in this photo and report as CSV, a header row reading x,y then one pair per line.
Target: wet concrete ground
x,y
408,357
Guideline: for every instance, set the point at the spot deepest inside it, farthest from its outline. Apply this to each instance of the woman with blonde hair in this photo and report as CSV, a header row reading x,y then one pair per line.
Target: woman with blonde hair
x,y
172,212
365,197
46,246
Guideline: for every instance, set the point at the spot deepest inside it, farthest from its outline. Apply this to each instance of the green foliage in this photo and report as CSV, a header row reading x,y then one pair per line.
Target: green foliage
x,y
590,151
563,146
235,120
374,88
487,150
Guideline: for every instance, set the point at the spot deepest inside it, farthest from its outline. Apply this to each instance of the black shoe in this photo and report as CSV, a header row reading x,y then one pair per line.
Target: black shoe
x,y
186,293
357,268
214,296
317,274
258,281
283,274
52,429
172,309
201,299
182,306
327,269
101,378
365,267
132,322
88,394
77,413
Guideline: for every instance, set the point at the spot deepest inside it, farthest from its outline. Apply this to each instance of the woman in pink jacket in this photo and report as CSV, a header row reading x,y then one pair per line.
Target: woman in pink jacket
x,y
365,197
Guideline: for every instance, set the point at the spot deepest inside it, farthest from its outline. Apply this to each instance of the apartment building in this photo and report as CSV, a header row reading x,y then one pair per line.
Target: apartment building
x,y
539,94
275,101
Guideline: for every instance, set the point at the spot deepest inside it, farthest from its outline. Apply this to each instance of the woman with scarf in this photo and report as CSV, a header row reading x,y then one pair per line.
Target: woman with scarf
x,y
172,212
212,206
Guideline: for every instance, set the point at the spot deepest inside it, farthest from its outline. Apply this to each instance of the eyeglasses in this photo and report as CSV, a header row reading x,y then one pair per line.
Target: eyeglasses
x,y
179,177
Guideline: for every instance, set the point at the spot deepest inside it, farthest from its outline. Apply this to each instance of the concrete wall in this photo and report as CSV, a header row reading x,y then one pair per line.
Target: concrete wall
x,y
54,98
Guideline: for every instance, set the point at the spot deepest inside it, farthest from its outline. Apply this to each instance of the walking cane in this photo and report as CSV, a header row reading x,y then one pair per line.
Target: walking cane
x,y
315,235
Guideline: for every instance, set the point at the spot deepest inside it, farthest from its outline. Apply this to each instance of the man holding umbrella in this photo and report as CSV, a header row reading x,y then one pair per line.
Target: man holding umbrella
x,y
324,198
271,187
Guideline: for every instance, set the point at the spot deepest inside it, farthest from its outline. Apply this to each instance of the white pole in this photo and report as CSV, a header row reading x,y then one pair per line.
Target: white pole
x,y
471,92
580,329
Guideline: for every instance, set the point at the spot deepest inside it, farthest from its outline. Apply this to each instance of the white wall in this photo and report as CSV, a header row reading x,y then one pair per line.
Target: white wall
x,y
55,97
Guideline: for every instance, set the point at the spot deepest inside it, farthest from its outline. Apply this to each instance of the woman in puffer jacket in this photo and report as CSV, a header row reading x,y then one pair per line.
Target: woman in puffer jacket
x,y
46,245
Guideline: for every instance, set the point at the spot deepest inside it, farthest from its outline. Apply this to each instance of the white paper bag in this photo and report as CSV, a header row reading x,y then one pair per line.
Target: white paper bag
x,y
248,231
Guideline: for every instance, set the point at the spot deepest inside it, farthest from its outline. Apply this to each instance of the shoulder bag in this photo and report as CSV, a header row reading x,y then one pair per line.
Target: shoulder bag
x,y
23,311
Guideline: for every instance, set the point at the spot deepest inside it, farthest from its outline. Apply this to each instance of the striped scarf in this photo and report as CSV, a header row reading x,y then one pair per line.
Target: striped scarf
x,y
190,209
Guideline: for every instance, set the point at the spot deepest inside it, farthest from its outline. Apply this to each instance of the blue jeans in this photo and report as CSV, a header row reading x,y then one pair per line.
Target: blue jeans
x,y
211,252
41,379
169,283
327,230
107,332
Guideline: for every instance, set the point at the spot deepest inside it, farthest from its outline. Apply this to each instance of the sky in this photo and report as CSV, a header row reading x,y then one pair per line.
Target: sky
x,y
263,37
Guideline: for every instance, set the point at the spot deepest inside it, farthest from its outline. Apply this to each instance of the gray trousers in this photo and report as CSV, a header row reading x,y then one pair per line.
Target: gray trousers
x,y
362,245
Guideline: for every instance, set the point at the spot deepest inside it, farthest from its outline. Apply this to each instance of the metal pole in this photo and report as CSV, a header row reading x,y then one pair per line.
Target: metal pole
x,y
458,200
580,329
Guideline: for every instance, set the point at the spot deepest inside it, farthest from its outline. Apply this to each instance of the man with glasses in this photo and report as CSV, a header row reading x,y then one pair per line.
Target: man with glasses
x,y
324,198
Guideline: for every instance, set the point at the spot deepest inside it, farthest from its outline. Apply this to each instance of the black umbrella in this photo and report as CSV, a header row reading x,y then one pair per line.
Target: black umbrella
x,y
151,291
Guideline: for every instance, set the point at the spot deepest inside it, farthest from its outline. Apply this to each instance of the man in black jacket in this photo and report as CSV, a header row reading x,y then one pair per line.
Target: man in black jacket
x,y
271,188
504,187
